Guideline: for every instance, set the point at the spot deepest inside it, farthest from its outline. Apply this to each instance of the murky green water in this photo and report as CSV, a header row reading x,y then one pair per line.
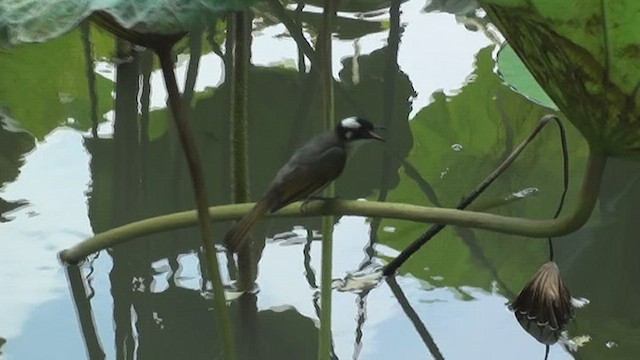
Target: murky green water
x,y
450,122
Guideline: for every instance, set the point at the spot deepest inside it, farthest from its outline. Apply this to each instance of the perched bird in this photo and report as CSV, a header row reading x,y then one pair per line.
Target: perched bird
x,y
310,169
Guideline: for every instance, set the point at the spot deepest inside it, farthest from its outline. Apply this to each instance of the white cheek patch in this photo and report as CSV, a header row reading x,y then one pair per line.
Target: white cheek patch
x,y
348,134
351,123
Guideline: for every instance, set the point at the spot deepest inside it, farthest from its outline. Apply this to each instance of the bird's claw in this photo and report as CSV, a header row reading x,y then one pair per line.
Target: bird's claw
x,y
305,202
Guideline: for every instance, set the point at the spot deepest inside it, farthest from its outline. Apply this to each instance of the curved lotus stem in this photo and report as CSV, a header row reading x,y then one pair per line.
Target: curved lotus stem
x,y
502,224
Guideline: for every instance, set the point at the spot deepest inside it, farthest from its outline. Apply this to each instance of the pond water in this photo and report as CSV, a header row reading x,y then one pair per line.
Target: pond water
x,y
450,121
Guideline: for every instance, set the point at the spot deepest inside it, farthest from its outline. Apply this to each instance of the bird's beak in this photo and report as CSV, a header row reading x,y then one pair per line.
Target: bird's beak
x,y
373,135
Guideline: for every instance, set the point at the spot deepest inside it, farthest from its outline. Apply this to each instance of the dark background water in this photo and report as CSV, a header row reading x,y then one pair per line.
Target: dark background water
x,y
450,121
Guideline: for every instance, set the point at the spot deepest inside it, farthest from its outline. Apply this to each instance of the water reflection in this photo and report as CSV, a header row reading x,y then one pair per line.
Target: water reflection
x,y
13,145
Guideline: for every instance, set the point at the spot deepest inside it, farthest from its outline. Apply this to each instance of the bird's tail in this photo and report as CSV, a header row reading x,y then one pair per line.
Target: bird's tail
x,y
237,235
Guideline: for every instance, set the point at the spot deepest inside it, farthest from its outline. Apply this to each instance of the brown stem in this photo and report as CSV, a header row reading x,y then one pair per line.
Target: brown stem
x,y
197,177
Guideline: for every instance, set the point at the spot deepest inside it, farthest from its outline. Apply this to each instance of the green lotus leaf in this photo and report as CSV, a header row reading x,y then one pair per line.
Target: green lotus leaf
x,y
42,20
584,55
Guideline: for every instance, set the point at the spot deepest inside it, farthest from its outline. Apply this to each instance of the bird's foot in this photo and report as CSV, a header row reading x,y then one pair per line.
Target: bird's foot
x,y
311,198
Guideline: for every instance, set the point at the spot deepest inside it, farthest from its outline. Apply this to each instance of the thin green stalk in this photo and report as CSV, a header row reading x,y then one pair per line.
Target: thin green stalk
x,y
501,224
565,179
240,25
324,46
239,106
325,343
200,193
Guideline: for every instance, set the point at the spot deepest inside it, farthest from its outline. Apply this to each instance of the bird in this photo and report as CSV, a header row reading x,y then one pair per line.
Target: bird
x,y
309,170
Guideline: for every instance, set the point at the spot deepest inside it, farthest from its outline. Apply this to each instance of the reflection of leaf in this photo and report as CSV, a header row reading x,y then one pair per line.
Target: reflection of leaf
x,y
456,7
278,131
486,119
47,72
355,6
586,59
6,206
13,146
366,98
345,28
516,75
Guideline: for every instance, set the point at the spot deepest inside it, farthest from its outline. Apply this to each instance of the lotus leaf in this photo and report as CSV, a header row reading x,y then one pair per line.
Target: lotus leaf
x,y
584,55
42,20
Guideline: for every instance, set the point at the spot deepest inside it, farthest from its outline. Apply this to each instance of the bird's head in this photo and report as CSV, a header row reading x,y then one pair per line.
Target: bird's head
x,y
354,128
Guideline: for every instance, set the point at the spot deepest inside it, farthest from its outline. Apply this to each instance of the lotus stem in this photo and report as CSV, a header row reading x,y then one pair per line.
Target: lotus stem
x,y
424,214
326,76
187,140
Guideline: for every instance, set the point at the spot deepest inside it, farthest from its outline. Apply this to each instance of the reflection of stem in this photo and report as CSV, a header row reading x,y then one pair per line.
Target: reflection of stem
x,y
211,38
294,30
228,46
250,340
391,69
308,95
589,194
508,129
502,224
85,27
200,193
85,314
389,94
126,174
310,273
302,66
304,47
422,183
316,305
469,239
415,319
146,67
362,317
195,51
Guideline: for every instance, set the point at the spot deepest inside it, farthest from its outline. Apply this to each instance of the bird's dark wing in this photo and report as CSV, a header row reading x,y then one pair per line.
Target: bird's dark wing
x,y
297,180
